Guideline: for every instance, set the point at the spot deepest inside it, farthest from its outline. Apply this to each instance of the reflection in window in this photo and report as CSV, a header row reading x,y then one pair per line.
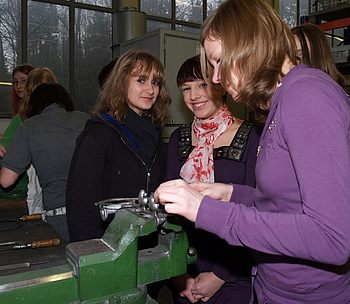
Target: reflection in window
x,y
48,38
10,48
93,42
160,8
104,3
189,10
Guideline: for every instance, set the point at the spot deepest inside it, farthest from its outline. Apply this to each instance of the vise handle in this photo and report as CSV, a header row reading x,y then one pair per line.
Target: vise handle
x,y
31,217
33,244
45,243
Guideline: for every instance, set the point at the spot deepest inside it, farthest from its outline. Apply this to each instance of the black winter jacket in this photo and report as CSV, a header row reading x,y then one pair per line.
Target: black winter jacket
x,y
104,165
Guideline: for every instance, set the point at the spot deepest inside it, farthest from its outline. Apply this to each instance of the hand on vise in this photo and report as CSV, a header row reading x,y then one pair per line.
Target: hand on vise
x,y
179,198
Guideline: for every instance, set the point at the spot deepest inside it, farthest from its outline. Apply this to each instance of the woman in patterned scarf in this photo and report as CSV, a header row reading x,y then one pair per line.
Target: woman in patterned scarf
x,y
215,147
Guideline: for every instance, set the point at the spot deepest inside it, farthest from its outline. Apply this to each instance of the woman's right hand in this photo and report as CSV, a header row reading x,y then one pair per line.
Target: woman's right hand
x,y
218,191
179,198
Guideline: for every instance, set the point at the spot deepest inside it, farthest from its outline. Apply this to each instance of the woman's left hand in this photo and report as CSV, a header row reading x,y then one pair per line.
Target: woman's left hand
x,y
179,198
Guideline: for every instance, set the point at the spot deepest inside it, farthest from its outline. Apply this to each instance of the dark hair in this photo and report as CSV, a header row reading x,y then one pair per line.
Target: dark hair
x,y
106,71
113,98
25,68
189,71
316,51
49,93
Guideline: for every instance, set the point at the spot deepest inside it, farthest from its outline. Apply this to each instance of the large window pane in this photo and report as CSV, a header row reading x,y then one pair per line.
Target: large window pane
x,y
288,12
93,41
304,8
160,8
48,38
10,49
105,3
189,10
212,5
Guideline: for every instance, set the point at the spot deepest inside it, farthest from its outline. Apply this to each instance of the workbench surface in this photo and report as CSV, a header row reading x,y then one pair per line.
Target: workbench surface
x,y
28,232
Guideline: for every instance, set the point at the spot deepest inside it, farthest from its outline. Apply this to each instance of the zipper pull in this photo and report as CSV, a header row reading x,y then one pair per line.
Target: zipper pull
x,y
148,181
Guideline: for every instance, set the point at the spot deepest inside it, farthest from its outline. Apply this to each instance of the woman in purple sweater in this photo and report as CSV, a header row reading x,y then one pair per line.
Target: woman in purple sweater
x,y
222,273
297,219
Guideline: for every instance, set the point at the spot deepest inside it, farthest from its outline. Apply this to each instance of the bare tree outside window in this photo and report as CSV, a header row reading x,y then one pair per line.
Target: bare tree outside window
x,y
288,12
93,49
160,8
47,41
212,5
104,3
189,10
48,38
10,48
304,7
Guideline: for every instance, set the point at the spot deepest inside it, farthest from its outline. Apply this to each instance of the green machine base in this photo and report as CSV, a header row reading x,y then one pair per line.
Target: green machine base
x,y
113,269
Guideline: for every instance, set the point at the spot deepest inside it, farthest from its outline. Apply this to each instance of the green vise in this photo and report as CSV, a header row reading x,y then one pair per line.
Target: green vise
x,y
109,270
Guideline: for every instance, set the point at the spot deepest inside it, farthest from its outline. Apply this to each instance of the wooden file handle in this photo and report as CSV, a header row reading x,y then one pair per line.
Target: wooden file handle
x,y
32,217
45,243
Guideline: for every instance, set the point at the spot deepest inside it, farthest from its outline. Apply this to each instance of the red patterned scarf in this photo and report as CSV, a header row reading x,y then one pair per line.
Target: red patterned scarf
x,y
200,163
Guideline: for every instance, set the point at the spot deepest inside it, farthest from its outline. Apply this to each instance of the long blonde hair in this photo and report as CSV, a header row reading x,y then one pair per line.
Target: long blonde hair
x,y
255,43
35,77
113,98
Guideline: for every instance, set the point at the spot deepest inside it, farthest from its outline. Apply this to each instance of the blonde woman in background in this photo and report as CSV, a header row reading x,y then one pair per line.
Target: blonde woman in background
x,y
35,77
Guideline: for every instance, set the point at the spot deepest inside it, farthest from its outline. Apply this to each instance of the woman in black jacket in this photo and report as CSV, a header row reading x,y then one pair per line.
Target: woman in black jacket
x,y
120,150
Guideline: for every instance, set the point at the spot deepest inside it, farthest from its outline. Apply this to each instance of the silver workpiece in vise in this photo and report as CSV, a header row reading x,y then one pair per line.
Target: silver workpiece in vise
x,y
143,205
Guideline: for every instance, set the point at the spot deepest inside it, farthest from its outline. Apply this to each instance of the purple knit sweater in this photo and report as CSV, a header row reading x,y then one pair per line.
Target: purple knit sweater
x,y
297,219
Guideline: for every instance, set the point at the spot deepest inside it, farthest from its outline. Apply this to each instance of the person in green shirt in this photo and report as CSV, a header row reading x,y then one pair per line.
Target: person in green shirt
x,y
19,76
27,186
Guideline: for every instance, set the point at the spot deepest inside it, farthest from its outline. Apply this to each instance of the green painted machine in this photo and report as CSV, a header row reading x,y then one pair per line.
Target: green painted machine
x,y
112,269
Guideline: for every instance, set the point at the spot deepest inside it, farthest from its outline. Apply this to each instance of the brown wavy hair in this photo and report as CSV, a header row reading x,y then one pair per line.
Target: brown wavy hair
x,y
256,42
35,77
113,98
316,51
25,68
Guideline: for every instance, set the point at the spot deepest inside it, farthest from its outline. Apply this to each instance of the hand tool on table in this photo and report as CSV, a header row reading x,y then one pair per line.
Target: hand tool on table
x,y
34,244
20,265
15,223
